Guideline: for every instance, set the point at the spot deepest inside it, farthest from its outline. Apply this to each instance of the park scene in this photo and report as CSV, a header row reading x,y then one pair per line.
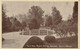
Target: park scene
x,y
39,24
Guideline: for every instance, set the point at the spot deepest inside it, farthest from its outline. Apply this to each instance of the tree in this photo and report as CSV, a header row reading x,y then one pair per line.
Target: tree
x,y
6,24
36,13
16,25
75,18
3,19
24,24
49,22
64,28
73,22
75,12
69,26
34,24
57,18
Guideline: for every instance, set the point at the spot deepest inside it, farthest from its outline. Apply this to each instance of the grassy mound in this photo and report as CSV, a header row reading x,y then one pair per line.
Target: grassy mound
x,y
34,42
50,39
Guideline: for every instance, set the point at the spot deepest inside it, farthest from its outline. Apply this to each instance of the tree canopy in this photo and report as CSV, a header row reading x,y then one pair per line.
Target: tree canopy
x,y
36,13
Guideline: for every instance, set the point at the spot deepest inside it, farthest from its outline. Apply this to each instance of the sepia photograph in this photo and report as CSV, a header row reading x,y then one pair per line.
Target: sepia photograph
x,y
35,24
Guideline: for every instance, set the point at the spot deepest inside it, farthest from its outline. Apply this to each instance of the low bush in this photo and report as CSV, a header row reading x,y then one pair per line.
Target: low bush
x,y
34,42
50,39
3,39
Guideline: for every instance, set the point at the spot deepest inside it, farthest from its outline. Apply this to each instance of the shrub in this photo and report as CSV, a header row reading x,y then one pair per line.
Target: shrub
x,y
34,42
50,39
3,39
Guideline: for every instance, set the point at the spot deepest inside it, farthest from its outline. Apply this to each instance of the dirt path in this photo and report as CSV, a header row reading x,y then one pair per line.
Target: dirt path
x,y
15,40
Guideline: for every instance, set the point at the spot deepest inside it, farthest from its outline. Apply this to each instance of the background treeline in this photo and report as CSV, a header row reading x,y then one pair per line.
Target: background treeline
x,y
9,23
35,19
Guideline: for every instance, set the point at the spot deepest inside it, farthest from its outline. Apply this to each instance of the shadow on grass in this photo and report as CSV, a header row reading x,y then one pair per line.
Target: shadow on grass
x,y
68,42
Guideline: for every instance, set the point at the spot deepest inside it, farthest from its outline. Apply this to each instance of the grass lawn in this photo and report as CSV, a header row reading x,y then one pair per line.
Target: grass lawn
x,y
68,42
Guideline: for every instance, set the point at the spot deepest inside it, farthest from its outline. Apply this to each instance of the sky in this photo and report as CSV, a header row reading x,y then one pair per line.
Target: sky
x,y
22,7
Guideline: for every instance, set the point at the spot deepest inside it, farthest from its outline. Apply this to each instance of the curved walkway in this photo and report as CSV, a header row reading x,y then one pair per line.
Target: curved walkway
x,y
15,40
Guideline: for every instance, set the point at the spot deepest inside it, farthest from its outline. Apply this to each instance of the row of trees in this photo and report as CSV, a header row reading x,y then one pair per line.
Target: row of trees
x,y
9,23
70,26
35,19
55,19
5,21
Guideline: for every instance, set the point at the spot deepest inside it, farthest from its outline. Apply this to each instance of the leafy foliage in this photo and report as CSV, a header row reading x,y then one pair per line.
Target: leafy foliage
x,y
75,18
75,12
34,24
50,39
49,22
36,13
5,21
16,25
57,18
69,26
34,42
3,39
